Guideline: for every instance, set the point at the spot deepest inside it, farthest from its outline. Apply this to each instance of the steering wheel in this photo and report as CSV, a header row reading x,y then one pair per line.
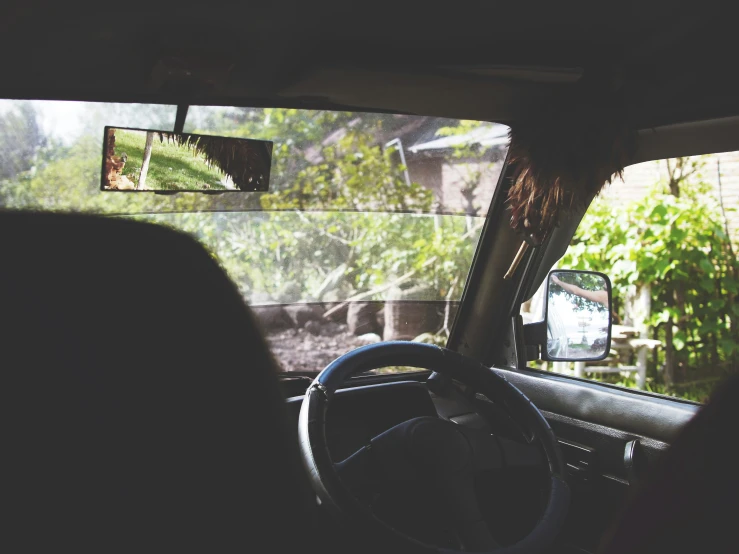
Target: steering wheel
x,y
449,453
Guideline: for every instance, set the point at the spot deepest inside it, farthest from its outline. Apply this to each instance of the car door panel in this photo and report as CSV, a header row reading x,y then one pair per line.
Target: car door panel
x,y
610,439
641,414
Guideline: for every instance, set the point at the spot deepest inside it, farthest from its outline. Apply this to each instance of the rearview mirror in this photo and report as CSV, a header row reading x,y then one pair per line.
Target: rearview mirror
x,y
139,160
578,316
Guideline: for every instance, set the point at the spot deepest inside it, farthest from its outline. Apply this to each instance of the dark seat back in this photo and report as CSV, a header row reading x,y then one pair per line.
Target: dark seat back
x,y
139,409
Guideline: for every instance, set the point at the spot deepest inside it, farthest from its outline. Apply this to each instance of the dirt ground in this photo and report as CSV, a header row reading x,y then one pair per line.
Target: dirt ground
x,y
298,350
302,338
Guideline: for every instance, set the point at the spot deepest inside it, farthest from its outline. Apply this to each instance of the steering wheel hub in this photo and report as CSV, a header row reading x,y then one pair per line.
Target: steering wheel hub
x,y
439,445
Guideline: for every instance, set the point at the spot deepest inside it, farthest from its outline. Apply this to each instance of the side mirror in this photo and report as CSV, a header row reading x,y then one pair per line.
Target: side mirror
x,y
577,320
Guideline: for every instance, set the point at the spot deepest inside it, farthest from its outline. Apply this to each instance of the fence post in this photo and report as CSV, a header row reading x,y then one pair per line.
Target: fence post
x,y
560,367
641,364
637,309
580,369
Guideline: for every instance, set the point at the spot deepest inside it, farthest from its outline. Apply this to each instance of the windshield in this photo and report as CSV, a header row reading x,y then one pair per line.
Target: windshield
x,y
367,231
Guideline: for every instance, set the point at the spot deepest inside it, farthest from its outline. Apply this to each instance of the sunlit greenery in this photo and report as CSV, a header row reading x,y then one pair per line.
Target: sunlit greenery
x,y
340,218
678,246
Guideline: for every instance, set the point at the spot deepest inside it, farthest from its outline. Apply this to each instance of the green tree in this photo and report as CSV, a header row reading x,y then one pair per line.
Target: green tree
x,y
674,241
21,140
350,240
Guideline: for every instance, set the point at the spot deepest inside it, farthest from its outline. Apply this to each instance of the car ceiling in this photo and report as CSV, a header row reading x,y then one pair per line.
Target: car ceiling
x,y
669,61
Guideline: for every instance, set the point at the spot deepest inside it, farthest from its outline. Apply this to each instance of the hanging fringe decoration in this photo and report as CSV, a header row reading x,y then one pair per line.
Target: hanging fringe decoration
x,y
561,161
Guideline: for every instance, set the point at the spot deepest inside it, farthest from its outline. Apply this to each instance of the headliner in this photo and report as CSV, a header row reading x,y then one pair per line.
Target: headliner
x,y
671,61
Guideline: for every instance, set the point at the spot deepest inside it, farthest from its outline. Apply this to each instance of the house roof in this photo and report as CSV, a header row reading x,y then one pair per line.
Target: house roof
x,y
492,135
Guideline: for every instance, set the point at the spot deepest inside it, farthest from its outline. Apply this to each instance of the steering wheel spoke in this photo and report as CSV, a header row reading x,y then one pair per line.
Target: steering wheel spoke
x,y
357,472
474,536
383,459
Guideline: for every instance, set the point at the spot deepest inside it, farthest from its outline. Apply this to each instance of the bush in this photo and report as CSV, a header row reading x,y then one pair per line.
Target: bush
x,y
676,245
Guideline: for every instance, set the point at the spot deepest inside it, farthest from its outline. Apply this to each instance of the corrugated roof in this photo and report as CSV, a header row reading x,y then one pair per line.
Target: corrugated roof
x,y
486,135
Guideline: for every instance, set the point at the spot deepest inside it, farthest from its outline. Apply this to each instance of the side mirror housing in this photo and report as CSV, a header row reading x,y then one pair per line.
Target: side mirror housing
x,y
577,319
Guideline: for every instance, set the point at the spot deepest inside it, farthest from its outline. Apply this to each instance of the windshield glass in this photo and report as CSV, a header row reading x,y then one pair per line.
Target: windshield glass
x,y
367,231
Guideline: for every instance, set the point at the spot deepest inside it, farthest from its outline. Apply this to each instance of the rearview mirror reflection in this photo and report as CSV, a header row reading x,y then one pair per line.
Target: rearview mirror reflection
x,y
138,160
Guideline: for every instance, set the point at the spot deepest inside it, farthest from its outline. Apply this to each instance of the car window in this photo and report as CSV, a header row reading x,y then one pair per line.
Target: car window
x,y
367,231
666,235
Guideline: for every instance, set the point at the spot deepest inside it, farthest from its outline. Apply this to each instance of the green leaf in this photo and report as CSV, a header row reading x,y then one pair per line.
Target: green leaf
x,y
678,342
659,211
661,317
727,346
707,284
663,266
706,266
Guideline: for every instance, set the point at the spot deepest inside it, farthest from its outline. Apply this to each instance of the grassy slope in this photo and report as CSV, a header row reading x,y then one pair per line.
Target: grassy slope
x,y
171,167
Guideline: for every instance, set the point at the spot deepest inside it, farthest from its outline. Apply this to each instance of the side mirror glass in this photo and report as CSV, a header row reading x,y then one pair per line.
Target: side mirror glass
x,y
578,316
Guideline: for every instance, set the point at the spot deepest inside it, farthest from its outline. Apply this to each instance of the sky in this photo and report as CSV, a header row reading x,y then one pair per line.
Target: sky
x,y
66,120
590,321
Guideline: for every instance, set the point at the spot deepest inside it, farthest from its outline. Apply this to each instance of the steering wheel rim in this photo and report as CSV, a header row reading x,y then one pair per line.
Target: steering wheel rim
x,y
322,471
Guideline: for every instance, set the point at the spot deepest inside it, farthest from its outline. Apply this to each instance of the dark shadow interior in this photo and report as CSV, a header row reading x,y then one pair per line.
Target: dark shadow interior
x,y
117,436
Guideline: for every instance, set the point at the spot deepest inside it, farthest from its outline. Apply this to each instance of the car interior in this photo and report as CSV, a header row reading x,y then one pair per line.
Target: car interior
x,y
129,424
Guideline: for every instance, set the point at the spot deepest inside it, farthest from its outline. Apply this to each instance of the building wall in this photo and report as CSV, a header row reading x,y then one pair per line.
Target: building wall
x,y
456,177
427,172
449,178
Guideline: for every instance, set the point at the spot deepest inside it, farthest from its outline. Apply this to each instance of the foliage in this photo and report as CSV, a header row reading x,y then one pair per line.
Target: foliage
x,y
355,174
329,163
695,391
21,140
676,245
173,167
69,180
332,165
